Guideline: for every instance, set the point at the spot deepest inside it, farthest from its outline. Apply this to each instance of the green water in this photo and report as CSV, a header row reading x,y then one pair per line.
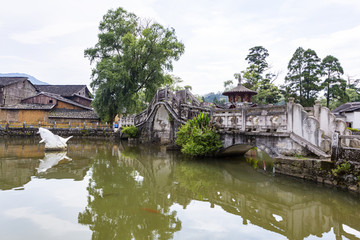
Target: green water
x,y
110,190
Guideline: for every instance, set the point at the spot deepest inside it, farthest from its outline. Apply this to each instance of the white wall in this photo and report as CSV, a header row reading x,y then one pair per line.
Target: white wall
x,y
354,118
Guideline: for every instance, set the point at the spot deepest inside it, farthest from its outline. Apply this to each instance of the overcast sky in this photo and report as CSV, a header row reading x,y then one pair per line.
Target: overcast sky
x,y
47,39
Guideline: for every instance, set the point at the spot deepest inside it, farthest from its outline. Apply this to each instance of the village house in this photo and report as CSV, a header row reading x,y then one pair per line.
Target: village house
x,y
25,102
350,113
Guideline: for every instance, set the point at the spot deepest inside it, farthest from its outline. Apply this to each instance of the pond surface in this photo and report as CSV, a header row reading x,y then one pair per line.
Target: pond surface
x,y
104,190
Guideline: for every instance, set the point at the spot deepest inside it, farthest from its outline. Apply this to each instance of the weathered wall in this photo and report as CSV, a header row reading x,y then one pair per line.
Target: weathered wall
x,y
40,99
33,116
85,133
274,144
61,104
12,94
320,171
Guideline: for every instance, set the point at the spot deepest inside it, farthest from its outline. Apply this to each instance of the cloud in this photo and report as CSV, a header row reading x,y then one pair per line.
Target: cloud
x,y
45,221
46,33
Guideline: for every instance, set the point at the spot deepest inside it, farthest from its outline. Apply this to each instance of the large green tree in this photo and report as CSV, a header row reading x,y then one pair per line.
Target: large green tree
x,y
303,77
257,65
132,58
257,56
334,86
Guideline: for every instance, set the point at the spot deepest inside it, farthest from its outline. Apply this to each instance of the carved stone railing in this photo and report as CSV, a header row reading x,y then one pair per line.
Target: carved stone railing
x,y
311,127
259,119
182,105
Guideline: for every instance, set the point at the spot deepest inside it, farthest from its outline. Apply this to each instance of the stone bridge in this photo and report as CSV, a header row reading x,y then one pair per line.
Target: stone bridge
x,y
287,130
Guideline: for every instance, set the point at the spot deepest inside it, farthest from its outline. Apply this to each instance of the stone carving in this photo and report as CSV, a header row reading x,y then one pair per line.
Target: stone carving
x,y
52,141
309,126
51,159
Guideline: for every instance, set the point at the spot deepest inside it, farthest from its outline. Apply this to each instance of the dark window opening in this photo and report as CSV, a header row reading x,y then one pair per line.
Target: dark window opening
x,y
51,101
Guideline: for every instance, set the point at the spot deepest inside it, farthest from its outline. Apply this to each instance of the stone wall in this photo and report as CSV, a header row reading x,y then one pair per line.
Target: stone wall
x,y
84,133
321,171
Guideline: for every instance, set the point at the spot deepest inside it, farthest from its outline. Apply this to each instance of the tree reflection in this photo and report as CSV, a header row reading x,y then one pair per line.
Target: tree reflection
x,y
132,190
121,205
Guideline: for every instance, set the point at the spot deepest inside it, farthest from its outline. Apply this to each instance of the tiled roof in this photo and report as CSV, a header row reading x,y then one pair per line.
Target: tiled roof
x,y
60,98
73,114
239,89
347,107
63,90
5,81
29,106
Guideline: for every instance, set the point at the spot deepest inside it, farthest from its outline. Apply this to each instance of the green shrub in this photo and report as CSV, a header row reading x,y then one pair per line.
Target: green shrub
x,y
341,169
198,137
131,131
353,129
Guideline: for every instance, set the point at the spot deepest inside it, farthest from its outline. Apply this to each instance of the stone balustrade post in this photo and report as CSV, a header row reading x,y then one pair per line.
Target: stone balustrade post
x,y
290,107
317,109
335,147
243,119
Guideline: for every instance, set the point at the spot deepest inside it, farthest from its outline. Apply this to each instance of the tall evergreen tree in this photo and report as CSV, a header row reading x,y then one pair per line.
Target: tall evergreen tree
x,y
302,79
257,65
312,73
335,87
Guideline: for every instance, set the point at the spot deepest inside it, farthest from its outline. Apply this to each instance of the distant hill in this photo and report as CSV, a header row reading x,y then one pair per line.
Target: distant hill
x,y
32,79
210,97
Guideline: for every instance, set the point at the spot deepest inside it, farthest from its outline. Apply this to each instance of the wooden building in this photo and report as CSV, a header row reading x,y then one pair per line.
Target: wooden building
x,y
24,102
14,89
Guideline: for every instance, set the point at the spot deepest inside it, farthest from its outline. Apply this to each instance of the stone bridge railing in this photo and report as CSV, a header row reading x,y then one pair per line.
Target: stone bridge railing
x,y
182,105
312,128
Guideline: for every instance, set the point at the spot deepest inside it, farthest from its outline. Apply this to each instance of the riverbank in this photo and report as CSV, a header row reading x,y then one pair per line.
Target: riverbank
x,y
66,132
343,174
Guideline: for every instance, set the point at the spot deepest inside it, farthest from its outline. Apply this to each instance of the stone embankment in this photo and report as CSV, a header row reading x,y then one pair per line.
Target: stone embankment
x,y
343,173
81,133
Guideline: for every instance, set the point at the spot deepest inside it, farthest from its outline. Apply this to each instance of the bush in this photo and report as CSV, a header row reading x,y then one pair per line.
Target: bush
x,y
198,137
131,131
354,129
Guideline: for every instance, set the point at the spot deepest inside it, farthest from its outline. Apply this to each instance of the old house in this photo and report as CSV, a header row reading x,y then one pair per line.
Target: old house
x,y
49,103
76,93
350,113
14,89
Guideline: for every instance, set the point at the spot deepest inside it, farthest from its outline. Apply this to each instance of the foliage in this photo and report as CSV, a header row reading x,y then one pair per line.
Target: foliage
x,y
268,93
198,137
354,129
335,87
302,80
257,56
131,131
341,169
131,57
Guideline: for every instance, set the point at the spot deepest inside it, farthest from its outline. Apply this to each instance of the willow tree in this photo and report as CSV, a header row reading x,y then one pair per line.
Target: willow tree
x,y
132,59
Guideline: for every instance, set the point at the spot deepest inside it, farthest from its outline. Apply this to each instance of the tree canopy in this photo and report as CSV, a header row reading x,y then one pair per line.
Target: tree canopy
x,y
303,77
132,58
333,85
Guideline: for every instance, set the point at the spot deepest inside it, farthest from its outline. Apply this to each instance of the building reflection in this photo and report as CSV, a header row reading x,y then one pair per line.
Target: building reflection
x,y
132,190
278,204
21,159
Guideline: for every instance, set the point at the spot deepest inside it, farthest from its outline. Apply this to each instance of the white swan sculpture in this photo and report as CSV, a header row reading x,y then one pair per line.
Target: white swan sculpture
x,y
52,141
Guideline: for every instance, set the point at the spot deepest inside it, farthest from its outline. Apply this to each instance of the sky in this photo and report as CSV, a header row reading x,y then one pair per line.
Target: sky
x,y
47,39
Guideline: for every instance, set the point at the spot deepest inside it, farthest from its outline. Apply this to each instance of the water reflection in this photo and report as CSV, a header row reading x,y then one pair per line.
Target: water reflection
x,y
145,192
121,205
21,159
52,159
